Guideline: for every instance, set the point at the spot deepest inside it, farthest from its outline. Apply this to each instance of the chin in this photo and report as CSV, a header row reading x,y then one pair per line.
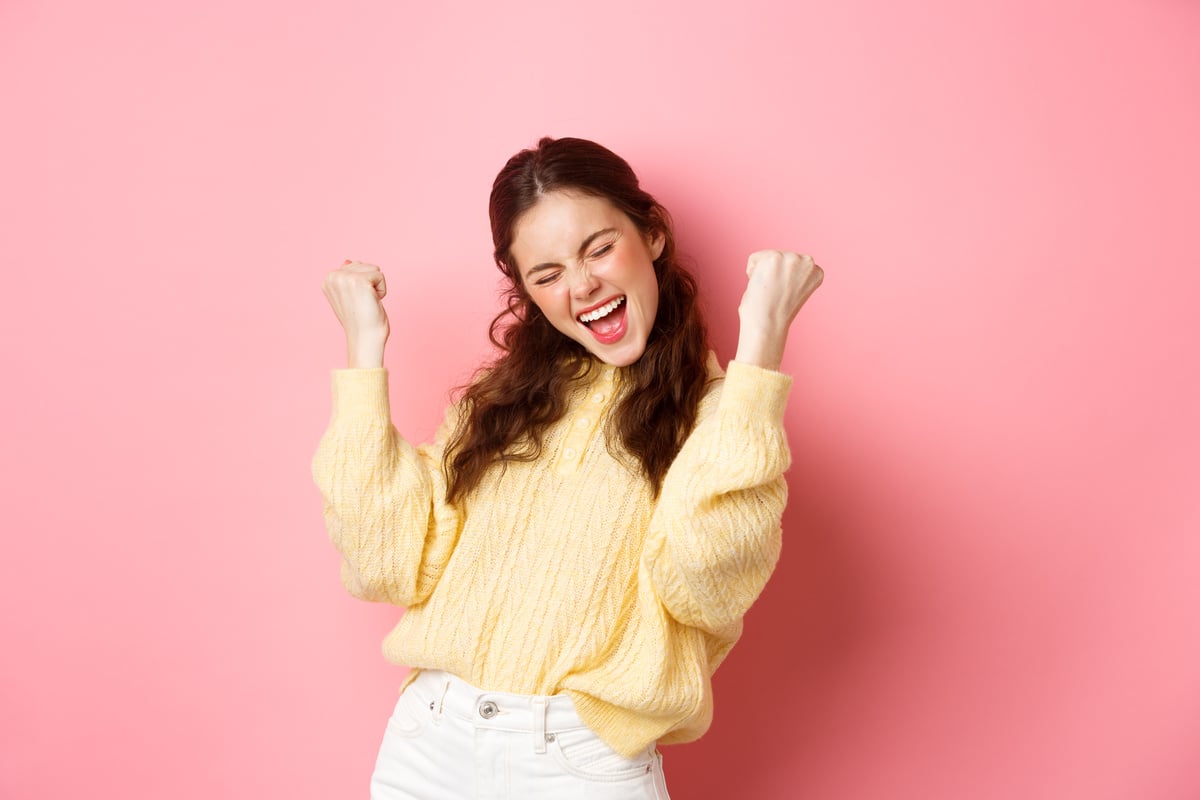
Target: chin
x,y
620,357
618,361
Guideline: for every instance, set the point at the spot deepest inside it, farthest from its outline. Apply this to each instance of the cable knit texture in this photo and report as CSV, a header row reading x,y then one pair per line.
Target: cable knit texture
x,y
565,574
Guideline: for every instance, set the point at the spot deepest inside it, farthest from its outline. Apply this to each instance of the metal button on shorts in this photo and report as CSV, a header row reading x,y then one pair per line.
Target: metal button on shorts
x,y
488,710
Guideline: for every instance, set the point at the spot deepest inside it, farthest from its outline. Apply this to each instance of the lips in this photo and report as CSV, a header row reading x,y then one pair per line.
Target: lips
x,y
601,310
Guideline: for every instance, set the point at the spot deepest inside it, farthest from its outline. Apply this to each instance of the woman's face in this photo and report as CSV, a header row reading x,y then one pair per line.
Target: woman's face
x,y
588,268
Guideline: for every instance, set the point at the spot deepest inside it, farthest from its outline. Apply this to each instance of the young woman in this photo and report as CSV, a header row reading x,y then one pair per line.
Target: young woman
x,y
579,543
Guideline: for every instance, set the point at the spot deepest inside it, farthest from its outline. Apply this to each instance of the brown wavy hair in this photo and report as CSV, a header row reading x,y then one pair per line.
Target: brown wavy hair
x,y
512,401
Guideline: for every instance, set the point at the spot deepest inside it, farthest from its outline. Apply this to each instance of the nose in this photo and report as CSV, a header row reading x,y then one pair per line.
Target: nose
x,y
581,282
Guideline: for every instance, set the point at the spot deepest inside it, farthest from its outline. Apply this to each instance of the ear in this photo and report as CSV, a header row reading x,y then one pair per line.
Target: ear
x,y
657,242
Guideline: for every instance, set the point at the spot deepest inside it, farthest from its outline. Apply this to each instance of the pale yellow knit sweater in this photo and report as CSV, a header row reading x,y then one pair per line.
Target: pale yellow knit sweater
x,y
564,574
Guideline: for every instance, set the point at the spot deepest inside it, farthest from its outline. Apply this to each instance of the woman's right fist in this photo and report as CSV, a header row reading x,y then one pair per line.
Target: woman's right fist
x,y
354,291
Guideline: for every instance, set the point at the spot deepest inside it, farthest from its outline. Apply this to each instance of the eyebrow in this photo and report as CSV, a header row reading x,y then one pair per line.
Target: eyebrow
x,y
582,249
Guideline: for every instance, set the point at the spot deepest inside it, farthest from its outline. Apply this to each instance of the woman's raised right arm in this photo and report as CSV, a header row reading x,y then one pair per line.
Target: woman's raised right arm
x,y
384,499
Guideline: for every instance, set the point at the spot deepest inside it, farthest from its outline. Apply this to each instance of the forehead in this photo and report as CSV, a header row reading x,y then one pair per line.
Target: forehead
x,y
553,228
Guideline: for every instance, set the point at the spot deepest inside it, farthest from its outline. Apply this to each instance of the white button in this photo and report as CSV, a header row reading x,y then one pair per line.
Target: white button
x,y
583,422
569,452
598,398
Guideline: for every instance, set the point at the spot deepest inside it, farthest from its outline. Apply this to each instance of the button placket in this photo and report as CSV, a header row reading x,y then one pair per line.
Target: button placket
x,y
576,443
583,419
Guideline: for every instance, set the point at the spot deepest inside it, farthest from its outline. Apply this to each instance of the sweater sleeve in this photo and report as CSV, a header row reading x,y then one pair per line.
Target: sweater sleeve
x,y
384,499
715,534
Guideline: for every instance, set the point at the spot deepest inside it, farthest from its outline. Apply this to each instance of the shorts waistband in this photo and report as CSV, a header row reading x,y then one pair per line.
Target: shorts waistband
x,y
449,694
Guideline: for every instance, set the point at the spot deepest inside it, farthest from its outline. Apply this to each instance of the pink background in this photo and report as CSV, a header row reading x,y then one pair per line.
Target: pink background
x,y
991,576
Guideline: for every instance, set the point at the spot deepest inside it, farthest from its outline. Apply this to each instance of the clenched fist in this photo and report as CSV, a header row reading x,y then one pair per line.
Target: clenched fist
x,y
778,284
354,291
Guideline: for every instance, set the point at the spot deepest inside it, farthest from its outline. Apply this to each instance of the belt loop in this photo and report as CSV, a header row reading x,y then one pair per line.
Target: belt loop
x,y
441,706
539,725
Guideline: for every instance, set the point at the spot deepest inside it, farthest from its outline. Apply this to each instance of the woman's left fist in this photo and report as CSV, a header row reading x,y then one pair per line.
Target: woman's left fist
x,y
779,283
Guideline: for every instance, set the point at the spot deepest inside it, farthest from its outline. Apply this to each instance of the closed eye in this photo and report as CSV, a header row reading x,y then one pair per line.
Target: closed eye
x,y
547,280
601,251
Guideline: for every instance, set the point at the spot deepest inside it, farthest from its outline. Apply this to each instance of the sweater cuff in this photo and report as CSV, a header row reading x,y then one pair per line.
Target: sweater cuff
x,y
361,392
755,391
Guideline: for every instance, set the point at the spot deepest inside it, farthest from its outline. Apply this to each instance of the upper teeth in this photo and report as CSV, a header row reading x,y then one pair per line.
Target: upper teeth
x,y
602,311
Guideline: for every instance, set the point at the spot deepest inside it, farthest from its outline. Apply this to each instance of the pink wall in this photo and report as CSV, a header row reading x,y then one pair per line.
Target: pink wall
x,y
991,577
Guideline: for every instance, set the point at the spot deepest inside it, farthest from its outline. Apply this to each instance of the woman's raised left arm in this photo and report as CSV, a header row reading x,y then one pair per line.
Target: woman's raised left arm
x,y
715,535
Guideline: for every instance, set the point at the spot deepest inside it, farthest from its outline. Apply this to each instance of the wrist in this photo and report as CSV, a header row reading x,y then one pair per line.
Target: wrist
x,y
761,346
763,353
364,354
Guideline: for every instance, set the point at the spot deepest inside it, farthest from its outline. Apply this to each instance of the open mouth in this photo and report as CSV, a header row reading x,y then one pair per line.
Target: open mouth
x,y
607,322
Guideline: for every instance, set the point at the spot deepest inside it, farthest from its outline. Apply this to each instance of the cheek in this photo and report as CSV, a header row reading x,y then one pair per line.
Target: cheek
x,y
633,272
552,305
647,279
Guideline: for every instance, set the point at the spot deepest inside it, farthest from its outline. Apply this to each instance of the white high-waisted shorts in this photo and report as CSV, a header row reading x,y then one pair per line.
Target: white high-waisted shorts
x,y
447,740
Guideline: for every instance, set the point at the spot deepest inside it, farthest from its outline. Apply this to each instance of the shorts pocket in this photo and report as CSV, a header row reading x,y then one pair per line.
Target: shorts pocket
x,y
410,715
585,755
